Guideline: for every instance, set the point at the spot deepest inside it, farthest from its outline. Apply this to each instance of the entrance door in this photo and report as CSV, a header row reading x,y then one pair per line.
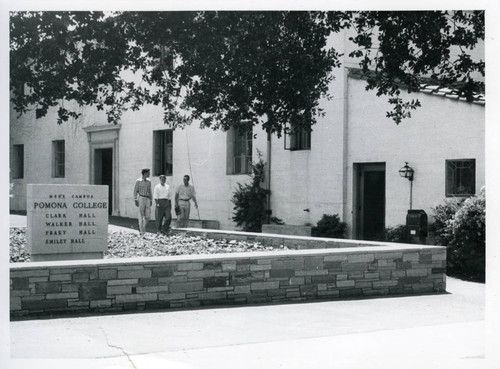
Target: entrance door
x,y
103,172
370,201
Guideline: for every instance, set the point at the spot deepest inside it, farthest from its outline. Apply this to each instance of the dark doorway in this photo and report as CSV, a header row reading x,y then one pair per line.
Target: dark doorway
x,y
370,201
103,172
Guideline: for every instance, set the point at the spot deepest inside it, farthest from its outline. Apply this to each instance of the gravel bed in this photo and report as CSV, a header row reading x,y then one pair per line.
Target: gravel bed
x,y
128,245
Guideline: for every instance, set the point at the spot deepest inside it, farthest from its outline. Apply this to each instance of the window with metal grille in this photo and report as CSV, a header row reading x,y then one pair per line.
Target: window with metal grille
x,y
18,161
461,177
58,159
239,151
298,138
163,152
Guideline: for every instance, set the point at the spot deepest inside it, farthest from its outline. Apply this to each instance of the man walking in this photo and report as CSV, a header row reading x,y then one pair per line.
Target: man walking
x,y
143,199
162,196
183,194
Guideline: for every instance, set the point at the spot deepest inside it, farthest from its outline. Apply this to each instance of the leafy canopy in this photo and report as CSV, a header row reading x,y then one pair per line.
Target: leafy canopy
x,y
232,69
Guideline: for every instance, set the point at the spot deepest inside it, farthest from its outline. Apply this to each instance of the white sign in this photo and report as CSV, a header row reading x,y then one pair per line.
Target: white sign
x,y
66,221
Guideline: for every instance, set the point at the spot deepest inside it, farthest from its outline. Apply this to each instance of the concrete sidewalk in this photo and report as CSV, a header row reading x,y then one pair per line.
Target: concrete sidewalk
x,y
447,329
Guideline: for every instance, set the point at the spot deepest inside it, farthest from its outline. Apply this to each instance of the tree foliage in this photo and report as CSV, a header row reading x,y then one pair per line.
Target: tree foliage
x,y
401,49
232,68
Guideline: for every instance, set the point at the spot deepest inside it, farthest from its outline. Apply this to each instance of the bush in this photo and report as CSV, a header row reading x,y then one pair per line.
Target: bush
x,y
443,216
467,250
330,226
399,233
460,226
249,201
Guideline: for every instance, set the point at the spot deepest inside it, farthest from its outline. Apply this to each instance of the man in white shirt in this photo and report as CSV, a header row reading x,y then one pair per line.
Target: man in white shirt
x,y
183,194
163,197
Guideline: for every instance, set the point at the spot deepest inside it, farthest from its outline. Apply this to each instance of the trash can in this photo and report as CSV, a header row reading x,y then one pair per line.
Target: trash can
x,y
416,222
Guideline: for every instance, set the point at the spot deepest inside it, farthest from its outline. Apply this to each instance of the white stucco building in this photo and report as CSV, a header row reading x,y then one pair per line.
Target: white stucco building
x,y
349,165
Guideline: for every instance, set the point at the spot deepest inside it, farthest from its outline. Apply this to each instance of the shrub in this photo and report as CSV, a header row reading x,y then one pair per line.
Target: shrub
x,y
399,233
443,216
330,226
460,226
467,250
249,201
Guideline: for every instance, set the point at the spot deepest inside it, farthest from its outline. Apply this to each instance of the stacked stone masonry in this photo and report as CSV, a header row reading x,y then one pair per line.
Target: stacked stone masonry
x,y
240,278
293,242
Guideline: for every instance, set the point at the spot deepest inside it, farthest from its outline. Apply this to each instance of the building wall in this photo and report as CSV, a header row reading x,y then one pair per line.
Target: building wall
x,y
442,128
200,153
37,135
306,184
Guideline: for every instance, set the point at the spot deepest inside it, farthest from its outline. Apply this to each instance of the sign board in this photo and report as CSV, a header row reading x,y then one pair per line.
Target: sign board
x,y
66,222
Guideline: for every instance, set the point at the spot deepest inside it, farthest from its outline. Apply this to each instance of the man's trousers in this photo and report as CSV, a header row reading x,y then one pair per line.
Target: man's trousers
x,y
144,213
183,217
163,212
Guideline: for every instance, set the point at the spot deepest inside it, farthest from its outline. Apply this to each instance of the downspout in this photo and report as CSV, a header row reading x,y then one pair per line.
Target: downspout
x,y
269,211
345,152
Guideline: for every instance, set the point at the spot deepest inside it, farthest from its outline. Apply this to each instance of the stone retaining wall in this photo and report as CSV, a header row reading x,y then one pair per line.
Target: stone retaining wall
x,y
113,285
287,229
293,242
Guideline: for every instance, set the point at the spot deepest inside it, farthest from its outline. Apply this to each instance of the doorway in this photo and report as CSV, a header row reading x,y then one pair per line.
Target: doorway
x,y
370,201
103,172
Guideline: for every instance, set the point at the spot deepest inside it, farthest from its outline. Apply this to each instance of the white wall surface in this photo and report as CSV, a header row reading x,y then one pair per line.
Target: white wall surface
x,y
312,179
200,153
37,135
442,128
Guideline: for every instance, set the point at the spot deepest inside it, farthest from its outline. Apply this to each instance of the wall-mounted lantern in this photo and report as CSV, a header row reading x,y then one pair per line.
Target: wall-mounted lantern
x,y
408,172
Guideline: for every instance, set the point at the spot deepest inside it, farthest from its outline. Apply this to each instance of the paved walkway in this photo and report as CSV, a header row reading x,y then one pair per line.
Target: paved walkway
x,y
436,331
403,331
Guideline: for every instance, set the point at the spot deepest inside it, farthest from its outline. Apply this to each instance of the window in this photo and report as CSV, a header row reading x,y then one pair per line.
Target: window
x,y
18,162
461,177
163,152
239,151
298,138
58,159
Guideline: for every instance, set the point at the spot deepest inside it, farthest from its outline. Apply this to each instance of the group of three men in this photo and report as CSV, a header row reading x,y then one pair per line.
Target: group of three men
x,y
162,196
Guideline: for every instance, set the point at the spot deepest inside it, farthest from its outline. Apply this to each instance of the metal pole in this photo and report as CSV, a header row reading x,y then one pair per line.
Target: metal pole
x,y
269,176
411,194
191,170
